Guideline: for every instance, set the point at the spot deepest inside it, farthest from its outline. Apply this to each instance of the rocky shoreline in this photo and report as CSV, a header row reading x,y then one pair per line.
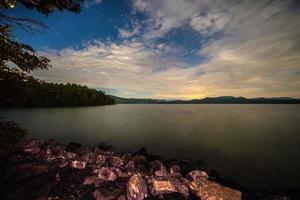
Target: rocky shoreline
x,y
40,169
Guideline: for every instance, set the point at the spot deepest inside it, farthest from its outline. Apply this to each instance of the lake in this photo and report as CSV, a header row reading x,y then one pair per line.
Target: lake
x,y
255,145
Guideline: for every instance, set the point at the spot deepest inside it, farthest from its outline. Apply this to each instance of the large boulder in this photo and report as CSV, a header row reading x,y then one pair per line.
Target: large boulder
x,y
212,190
136,188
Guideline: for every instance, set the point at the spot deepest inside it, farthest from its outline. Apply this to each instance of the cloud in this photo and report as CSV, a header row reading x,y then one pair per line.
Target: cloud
x,y
139,70
88,3
251,49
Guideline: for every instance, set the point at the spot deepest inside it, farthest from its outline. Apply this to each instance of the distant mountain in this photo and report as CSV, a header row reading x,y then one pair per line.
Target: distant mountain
x,y
211,100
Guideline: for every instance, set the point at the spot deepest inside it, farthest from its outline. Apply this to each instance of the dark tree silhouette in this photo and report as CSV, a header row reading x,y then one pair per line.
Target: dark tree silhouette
x,y
23,55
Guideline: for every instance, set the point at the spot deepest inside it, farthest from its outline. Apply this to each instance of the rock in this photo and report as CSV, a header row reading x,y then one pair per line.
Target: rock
x,y
63,162
100,160
73,146
142,151
106,174
211,190
32,146
130,166
198,176
87,157
117,161
78,164
161,173
180,187
136,188
121,173
174,169
127,157
89,180
162,186
104,147
122,197
99,195
155,166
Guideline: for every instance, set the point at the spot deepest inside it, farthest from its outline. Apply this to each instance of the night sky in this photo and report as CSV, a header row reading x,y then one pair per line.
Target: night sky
x,y
173,49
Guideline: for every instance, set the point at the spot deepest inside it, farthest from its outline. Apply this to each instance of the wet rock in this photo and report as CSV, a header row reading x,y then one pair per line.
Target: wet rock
x,y
106,174
117,161
73,146
211,190
162,186
76,164
136,188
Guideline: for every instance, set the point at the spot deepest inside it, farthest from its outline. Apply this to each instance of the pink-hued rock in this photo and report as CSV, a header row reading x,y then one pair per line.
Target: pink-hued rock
x,y
162,186
106,174
175,169
211,190
130,166
180,187
121,173
76,164
136,188
117,161
100,160
161,173
198,176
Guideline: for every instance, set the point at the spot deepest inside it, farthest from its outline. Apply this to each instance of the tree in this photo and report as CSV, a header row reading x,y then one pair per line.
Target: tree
x,y
23,55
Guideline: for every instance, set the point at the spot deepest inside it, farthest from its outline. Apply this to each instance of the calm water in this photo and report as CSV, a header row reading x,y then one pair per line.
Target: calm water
x,y
256,145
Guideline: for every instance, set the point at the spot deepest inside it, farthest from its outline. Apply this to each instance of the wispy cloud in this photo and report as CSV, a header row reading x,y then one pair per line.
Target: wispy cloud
x,y
88,3
252,49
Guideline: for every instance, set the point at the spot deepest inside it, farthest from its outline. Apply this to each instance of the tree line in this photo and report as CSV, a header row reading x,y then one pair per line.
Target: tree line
x,y
19,89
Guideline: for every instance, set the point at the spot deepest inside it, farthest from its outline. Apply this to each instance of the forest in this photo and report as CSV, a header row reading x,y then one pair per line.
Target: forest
x,y
19,89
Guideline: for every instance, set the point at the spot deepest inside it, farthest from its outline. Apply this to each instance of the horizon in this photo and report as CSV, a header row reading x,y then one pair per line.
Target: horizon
x,y
173,49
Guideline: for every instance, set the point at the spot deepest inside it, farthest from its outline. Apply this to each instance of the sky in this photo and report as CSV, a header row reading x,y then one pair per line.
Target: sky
x,y
173,49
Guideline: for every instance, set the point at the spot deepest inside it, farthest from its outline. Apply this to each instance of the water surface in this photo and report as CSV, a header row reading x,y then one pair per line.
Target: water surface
x,y
255,145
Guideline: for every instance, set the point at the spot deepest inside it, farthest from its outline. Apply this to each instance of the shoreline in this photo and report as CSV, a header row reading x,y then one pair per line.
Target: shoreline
x,y
47,169
97,173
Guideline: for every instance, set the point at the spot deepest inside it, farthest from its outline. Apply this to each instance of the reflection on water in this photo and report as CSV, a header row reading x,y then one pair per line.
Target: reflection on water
x,y
257,145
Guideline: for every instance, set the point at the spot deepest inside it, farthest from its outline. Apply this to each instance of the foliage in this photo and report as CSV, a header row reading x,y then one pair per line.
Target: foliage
x,y
10,135
19,89
22,55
